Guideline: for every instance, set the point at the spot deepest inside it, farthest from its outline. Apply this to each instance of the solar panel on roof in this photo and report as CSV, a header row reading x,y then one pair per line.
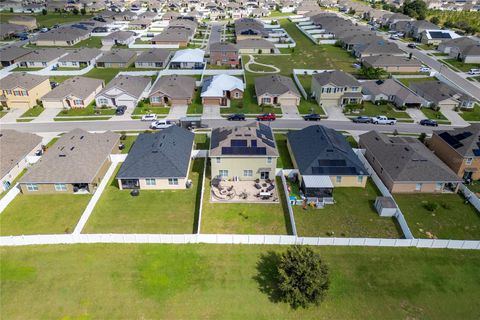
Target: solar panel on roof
x,y
238,143
463,135
254,143
451,140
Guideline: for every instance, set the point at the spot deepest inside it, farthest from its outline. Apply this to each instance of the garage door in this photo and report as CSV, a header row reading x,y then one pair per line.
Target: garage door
x,y
18,105
53,104
179,102
289,102
129,103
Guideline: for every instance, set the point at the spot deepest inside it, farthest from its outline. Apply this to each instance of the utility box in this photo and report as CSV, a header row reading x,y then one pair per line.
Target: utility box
x,y
386,206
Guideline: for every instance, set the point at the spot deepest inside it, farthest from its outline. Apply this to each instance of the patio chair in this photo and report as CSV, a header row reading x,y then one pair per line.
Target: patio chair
x,y
270,188
258,186
230,188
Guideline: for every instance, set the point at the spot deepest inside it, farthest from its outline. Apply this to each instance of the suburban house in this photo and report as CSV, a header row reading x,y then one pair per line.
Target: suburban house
x,y
124,91
172,90
27,21
22,90
324,160
376,48
76,92
245,152
11,54
391,91
119,58
392,63
463,48
459,149
248,28
8,30
159,160
336,88
254,46
119,37
276,90
80,58
224,53
435,37
153,58
16,146
63,36
220,89
442,95
41,58
173,36
188,59
75,164
406,165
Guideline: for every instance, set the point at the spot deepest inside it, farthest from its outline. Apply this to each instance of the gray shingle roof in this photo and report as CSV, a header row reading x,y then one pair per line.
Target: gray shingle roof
x,y
323,151
164,154
13,53
391,61
82,54
436,91
15,146
133,85
79,87
336,77
275,85
43,55
21,79
75,158
118,56
223,47
406,159
465,141
255,44
154,55
175,86
65,33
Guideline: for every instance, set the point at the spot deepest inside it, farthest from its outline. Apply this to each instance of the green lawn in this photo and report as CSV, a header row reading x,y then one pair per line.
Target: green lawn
x,y
465,67
89,110
353,143
196,107
473,115
42,214
371,110
59,79
407,81
20,69
106,74
435,115
2,113
128,142
32,112
308,55
153,211
13,183
50,18
202,141
107,281
92,42
82,119
285,161
147,108
453,219
245,218
353,216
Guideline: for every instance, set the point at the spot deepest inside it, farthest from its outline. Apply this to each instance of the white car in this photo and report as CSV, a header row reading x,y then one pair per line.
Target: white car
x,y
149,117
161,124
425,69
474,72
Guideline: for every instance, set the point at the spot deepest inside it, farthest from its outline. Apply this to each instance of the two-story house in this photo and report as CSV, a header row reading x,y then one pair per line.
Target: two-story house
x,y
336,88
224,53
22,90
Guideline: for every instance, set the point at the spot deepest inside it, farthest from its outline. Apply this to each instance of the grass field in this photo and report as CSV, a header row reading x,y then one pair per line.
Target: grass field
x,y
407,81
245,218
465,67
42,214
473,115
451,220
128,142
372,110
202,142
353,215
147,108
196,107
92,42
106,74
284,161
98,281
435,115
89,110
153,211
33,112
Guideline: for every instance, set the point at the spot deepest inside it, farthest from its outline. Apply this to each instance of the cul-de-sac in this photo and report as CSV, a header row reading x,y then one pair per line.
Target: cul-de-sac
x,y
239,159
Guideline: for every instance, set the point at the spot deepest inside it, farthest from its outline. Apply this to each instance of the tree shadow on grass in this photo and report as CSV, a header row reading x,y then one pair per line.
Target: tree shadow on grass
x,y
267,275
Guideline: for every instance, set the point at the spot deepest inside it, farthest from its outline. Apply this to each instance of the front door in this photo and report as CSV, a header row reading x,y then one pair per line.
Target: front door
x,y
467,175
264,175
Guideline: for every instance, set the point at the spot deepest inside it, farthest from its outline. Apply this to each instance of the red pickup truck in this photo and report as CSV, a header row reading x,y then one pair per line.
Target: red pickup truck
x,y
266,117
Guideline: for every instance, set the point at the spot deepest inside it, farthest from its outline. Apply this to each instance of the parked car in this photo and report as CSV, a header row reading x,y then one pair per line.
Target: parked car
x,y
412,45
357,65
474,71
236,117
53,84
362,119
161,124
120,110
149,117
394,37
383,120
429,123
266,117
43,30
425,69
312,117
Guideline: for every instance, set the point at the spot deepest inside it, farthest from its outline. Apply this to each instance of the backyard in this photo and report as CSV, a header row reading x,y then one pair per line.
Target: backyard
x,y
353,215
42,214
153,211
284,161
108,281
451,218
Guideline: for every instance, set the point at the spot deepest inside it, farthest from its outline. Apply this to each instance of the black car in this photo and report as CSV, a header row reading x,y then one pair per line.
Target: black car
x,y
120,110
362,119
236,117
429,123
411,45
312,117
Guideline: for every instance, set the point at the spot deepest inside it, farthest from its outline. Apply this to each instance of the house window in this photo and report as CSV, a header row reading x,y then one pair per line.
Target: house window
x,y
266,100
32,187
237,94
328,90
64,63
155,99
172,181
152,182
44,64
60,187
217,160
418,187
354,89
339,179
247,173
102,101
438,186
360,179
77,102
223,173
269,160
469,161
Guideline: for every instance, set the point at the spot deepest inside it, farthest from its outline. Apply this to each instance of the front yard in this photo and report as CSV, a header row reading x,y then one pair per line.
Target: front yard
x,y
32,112
435,115
451,218
153,211
42,214
89,110
473,115
353,216
464,67
146,108
245,218
370,109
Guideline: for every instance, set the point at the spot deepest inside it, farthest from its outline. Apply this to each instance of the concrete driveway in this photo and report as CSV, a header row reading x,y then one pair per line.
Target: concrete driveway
x,y
335,113
47,115
290,112
12,115
211,112
177,112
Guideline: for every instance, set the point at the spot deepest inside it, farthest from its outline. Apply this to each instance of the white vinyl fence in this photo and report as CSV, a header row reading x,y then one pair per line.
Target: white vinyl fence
x,y
289,205
11,194
470,196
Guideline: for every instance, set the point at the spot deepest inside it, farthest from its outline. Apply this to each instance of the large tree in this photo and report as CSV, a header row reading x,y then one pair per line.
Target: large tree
x,y
415,8
303,277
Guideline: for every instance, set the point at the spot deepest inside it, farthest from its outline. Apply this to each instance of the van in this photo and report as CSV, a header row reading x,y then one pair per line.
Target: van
x,y
474,71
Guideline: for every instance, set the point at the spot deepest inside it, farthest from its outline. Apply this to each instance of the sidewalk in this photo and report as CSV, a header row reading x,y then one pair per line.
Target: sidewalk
x,y
12,115
211,112
47,115
415,114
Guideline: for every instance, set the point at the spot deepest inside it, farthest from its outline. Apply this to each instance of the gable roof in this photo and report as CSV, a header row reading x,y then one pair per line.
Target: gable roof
x,y
255,44
406,159
389,60
79,87
15,146
378,47
64,33
154,55
323,151
275,85
465,141
214,86
436,91
132,85
254,139
82,54
21,79
13,53
75,158
174,86
118,55
223,47
336,77
390,87
43,55
163,154
189,55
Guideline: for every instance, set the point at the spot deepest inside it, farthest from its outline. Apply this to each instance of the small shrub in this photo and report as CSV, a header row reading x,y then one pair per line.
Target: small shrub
x,y
422,137
431,206
445,205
